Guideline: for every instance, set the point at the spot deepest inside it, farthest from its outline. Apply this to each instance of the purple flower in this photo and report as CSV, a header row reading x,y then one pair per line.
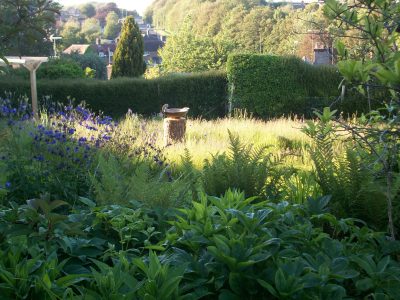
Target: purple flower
x,y
8,185
39,157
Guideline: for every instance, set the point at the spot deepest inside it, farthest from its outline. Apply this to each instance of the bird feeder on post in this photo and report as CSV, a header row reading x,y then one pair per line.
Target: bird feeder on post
x,y
32,64
174,124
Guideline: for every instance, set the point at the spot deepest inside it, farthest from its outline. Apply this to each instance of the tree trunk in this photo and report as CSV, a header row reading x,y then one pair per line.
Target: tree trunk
x,y
174,130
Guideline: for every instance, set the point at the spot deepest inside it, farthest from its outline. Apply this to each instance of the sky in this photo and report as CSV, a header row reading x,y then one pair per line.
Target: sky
x,y
138,5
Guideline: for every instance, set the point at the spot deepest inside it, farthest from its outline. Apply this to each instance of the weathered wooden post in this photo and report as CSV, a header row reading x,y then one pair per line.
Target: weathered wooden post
x,y
174,124
109,71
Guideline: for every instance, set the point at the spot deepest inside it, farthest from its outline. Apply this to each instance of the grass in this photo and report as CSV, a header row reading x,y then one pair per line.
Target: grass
x,y
205,138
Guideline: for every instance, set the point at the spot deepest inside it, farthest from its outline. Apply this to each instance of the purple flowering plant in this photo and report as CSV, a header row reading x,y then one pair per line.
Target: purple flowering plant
x,y
56,154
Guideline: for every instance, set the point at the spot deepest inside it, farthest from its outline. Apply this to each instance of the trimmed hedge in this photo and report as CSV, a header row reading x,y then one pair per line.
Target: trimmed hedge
x,y
205,93
271,86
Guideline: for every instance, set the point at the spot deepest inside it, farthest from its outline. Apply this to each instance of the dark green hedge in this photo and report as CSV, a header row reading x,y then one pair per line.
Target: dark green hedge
x,y
271,86
205,93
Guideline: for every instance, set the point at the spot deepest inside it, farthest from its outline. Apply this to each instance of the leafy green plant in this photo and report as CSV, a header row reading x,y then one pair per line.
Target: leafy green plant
x,y
271,86
113,282
300,186
244,167
259,250
160,280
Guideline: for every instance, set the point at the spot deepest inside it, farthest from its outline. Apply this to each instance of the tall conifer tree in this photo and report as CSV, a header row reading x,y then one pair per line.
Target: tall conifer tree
x,y
128,57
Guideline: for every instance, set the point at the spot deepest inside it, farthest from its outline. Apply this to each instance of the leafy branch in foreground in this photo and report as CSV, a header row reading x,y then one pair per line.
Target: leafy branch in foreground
x,y
378,132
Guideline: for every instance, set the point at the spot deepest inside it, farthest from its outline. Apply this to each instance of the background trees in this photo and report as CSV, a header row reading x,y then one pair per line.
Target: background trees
x,y
248,26
112,27
88,10
71,33
128,57
91,29
104,9
186,52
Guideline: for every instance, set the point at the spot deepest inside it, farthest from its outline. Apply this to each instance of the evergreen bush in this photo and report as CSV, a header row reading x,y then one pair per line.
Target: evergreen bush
x,y
128,57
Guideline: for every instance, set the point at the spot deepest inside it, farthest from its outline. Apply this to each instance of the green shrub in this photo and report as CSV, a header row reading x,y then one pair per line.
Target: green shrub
x,y
60,68
271,86
92,61
205,93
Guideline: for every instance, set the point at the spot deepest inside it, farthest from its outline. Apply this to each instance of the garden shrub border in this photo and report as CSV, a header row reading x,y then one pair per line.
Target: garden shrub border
x,y
204,93
271,86
265,86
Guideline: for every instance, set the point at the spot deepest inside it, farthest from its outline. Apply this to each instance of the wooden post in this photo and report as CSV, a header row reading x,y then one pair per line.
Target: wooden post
x,y
109,71
174,130
34,93
32,67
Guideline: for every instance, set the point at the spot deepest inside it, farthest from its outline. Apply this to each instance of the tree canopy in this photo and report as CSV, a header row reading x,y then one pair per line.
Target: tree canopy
x,y
25,26
88,9
112,27
186,52
91,29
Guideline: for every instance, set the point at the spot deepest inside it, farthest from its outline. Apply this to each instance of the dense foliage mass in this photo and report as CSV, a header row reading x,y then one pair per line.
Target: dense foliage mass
x,y
68,66
270,86
377,132
125,224
204,93
25,26
223,27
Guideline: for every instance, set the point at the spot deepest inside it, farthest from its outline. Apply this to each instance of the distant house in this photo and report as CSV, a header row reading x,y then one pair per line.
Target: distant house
x,y
296,4
77,48
139,20
152,44
105,48
105,51
70,13
316,47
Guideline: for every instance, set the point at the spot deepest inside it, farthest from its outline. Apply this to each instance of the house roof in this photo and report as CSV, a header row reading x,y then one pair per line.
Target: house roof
x,y
104,48
152,43
77,48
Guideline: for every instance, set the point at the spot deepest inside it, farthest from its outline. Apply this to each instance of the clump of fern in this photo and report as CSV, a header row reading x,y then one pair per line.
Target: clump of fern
x,y
243,167
342,170
119,180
